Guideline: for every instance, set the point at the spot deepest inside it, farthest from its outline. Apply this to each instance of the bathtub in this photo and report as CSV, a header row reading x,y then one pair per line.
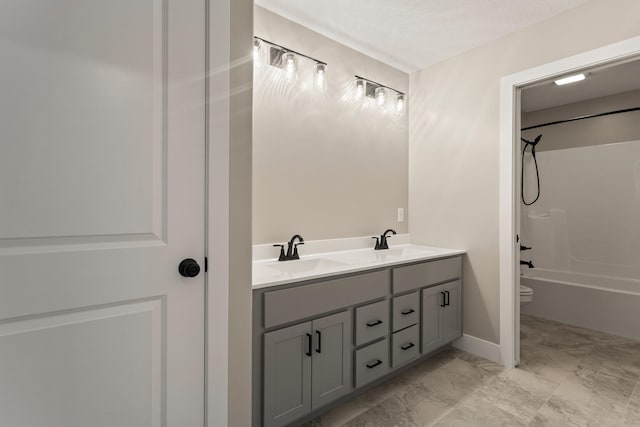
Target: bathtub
x,y
604,303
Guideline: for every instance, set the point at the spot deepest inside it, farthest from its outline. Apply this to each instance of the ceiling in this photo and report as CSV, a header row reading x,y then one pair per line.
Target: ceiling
x,y
601,81
413,34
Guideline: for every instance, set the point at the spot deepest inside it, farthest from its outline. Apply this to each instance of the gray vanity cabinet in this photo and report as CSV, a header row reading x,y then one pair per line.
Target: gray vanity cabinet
x,y
441,315
316,342
305,367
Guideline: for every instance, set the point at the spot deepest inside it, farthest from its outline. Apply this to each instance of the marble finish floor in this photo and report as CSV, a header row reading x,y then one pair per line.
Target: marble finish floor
x,y
568,376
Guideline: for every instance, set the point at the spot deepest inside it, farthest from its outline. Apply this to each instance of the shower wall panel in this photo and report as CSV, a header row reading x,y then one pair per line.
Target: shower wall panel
x,y
588,216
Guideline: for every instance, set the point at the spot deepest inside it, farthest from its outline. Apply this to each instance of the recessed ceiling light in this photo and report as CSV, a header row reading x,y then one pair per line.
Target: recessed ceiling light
x,y
570,79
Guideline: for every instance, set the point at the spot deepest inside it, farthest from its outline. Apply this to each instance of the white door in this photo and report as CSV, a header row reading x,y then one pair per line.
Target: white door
x,y
101,197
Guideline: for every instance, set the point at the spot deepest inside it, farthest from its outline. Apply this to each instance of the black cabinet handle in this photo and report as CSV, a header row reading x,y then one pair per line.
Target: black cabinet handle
x,y
310,338
373,365
408,346
407,312
319,348
448,300
444,301
377,322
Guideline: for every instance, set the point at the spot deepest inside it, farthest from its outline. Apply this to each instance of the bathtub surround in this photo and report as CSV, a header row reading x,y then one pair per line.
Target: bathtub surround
x,y
586,220
325,164
454,136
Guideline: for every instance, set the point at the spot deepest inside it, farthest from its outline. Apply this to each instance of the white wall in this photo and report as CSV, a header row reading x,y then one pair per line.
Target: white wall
x,y
324,164
454,141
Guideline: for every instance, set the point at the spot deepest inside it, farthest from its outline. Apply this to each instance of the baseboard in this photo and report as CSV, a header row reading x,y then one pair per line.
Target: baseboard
x,y
479,347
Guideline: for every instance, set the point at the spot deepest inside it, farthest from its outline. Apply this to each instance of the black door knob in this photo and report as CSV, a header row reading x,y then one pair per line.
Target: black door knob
x,y
189,268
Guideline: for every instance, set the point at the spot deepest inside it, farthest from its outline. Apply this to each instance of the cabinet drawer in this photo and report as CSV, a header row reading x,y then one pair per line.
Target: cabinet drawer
x,y
372,321
372,362
406,310
425,274
289,305
405,345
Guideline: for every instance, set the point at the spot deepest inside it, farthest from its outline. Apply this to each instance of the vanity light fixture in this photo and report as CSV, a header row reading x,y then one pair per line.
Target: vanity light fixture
x,y
378,91
570,79
285,58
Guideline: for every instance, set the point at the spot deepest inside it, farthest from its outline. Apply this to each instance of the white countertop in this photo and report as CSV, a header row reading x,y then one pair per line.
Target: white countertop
x,y
271,272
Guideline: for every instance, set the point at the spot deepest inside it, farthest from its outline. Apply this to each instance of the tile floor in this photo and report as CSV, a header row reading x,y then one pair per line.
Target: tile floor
x,y
568,376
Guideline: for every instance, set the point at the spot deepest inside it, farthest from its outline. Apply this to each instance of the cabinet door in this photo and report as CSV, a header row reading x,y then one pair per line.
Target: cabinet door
x,y
287,374
432,305
452,311
331,368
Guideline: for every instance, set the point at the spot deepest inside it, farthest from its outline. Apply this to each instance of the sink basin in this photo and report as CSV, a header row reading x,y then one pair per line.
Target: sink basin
x,y
304,265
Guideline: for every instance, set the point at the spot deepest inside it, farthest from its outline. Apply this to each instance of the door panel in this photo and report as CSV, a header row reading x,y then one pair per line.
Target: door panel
x,y
82,109
432,300
97,358
452,313
331,367
101,196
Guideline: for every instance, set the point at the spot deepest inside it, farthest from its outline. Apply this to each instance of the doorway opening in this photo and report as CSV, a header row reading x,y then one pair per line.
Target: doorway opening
x,y
512,87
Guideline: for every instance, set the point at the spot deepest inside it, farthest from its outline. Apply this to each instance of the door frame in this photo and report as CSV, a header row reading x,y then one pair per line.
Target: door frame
x,y
509,207
228,78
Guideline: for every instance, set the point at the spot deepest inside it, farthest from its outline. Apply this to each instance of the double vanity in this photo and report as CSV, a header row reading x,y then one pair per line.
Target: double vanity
x,y
330,325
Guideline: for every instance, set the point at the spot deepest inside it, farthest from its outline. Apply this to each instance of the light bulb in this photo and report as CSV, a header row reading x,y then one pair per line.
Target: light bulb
x,y
321,80
290,64
256,51
381,96
400,104
360,85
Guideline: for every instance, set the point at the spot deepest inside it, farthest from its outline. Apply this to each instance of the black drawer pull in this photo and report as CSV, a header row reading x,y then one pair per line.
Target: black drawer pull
x,y
404,313
447,294
377,322
373,365
408,346
310,338
444,300
319,348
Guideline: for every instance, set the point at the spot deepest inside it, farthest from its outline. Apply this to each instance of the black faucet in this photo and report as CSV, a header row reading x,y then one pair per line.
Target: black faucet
x,y
292,249
381,243
527,263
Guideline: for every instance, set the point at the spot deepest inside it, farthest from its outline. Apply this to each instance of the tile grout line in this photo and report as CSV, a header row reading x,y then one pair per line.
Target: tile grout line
x,y
465,399
633,393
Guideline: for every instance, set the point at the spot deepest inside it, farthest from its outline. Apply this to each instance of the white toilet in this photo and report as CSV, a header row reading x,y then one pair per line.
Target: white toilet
x,y
526,295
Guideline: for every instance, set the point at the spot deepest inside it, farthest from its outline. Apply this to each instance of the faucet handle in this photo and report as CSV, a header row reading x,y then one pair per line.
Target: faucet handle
x,y
295,250
282,257
377,242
